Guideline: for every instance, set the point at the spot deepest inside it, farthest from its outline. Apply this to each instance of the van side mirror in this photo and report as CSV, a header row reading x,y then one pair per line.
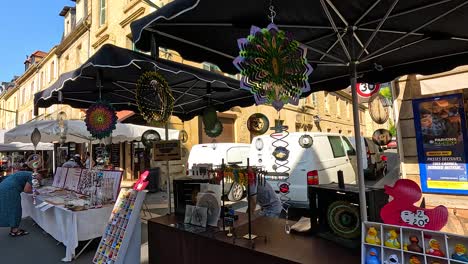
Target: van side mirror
x,y
351,152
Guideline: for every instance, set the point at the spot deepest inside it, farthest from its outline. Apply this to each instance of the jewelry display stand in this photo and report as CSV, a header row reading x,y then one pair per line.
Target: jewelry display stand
x,y
121,240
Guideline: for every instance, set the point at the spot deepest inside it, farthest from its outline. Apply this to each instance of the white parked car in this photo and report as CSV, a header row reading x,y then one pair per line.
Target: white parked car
x,y
318,164
206,156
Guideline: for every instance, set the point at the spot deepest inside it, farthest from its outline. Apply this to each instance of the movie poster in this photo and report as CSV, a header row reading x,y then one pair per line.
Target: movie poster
x,y
440,125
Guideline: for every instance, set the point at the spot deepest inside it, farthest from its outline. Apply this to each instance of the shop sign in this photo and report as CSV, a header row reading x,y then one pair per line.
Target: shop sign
x,y
167,150
366,90
440,125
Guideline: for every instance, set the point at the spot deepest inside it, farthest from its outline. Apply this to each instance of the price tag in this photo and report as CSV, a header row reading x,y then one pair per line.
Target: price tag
x,y
366,90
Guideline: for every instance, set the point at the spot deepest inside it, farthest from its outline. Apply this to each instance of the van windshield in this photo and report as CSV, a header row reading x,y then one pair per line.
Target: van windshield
x,y
237,155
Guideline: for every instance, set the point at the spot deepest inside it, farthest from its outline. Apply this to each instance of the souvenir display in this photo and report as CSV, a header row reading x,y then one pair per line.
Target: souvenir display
x,y
210,117
122,224
35,162
306,141
377,111
434,248
392,259
273,66
414,245
414,259
195,215
460,253
209,201
402,211
150,137
215,131
100,119
381,137
372,236
392,240
154,97
183,136
373,257
258,124
344,220
436,245
259,144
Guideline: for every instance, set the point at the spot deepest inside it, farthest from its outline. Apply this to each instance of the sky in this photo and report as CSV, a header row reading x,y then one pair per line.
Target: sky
x,y
27,26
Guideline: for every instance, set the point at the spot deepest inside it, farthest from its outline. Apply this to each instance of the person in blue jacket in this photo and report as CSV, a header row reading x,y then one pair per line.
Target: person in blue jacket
x,y
10,200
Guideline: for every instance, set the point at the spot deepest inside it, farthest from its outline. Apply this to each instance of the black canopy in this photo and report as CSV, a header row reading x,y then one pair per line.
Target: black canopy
x,y
117,70
401,37
347,41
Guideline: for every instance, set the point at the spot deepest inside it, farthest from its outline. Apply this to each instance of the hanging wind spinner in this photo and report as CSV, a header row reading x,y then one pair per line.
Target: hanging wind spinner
x,y
273,66
100,119
154,97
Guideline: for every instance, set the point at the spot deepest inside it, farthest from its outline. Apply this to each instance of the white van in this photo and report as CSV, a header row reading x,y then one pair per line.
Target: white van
x,y
206,156
318,164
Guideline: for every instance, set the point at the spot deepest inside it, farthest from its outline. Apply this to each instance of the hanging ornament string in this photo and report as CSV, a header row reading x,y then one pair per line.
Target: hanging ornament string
x,y
272,12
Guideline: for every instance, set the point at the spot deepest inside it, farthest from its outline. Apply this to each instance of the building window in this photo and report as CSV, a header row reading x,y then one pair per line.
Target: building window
x,y
42,81
23,95
52,71
327,103
313,99
338,107
348,111
102,12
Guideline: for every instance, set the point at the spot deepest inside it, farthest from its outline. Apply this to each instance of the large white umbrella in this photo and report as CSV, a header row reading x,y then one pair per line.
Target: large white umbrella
x,y
76,132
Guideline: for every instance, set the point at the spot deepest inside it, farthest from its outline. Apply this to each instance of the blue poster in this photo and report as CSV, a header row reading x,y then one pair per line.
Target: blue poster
x,y
440,125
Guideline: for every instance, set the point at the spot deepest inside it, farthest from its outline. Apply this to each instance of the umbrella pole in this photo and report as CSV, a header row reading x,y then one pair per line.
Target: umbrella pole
x,y
168,175
357,134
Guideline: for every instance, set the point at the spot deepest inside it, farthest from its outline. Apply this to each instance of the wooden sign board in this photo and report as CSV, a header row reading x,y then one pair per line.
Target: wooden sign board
x,y
167,150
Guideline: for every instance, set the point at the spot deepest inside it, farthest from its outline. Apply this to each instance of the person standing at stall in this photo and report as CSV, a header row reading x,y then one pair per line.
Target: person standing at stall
x,y
10,200
264,195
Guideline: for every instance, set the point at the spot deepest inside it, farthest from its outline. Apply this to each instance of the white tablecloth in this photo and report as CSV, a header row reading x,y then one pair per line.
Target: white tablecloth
x,y
67,226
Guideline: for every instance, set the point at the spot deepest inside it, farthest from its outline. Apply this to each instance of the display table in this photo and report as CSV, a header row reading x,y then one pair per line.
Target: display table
x,y
67,226
170,242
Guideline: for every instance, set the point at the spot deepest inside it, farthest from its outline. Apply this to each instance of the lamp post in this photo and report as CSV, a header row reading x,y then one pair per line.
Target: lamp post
x,y
11,111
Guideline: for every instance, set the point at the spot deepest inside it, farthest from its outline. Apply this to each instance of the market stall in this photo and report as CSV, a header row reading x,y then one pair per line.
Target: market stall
x,y
344,42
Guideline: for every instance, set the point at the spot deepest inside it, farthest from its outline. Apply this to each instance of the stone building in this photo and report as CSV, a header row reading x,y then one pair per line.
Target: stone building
x,y
89,24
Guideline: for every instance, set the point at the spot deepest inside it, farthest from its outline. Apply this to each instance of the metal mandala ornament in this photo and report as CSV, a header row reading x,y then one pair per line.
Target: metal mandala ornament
x,y
210,117
306,141
183,136
35,137
215,131
258,124
154,97
281,153
273,66
150,137
100,119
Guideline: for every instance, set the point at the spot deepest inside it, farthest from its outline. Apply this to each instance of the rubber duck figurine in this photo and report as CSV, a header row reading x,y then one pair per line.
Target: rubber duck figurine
x,y
414,260
372,236
372,257
401,210
414,245
460,253
392,241
434,248
392,259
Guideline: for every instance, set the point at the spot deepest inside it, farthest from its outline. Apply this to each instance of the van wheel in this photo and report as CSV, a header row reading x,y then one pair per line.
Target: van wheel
x,y
236,193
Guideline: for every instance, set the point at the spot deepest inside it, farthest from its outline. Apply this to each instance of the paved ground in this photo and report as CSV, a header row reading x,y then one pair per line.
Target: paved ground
x,y
40,248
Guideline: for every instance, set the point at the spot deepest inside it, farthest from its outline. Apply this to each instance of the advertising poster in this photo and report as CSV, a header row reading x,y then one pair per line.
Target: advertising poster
x,y
440,125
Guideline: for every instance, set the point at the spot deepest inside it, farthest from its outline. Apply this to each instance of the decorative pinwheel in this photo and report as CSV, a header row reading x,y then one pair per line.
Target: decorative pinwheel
x,y
100,119
154,97
273,66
